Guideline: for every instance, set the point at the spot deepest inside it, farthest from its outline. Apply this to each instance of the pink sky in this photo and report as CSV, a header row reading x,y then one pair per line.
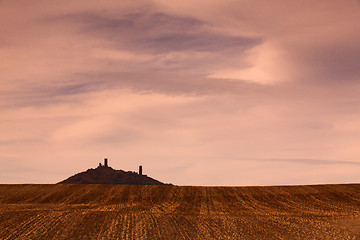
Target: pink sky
x,y
199,93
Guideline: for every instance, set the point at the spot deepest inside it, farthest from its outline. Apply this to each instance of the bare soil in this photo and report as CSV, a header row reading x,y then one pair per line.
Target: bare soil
x,y
69,211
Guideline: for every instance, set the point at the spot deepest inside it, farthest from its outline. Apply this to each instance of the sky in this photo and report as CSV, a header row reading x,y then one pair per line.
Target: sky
x,y
213,93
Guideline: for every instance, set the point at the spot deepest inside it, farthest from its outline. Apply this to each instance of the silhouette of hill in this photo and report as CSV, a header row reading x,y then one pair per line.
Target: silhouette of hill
x,y
108,175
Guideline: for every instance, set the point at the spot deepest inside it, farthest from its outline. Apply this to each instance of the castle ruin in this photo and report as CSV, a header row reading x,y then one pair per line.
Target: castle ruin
x,y
105,163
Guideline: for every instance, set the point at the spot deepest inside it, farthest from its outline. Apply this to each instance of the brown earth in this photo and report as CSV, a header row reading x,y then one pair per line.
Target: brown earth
x,y
69,211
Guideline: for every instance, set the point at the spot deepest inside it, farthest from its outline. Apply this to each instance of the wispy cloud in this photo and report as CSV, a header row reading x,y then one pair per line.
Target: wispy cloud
x,y
156,32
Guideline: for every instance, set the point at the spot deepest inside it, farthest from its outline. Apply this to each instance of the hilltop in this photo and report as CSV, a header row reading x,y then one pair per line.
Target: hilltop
x,y
104,174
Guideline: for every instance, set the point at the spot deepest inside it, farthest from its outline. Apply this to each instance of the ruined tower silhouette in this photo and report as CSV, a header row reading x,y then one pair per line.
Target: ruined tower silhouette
x,y
105,162
140,170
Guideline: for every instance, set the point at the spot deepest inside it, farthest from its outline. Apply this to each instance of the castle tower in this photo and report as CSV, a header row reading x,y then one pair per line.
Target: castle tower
x,y
105,162
140,170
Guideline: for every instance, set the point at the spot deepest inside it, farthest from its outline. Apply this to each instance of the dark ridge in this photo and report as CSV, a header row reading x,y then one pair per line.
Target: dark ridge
x,y
104,174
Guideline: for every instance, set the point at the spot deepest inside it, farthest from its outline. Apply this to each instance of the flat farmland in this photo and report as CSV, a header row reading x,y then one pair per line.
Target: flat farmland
x,y
179,212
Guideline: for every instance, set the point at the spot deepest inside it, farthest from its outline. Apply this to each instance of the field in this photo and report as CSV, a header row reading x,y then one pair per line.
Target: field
x,y
177,212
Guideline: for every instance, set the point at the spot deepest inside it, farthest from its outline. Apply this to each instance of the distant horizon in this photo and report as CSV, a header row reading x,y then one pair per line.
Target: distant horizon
x,y
127,170
212,93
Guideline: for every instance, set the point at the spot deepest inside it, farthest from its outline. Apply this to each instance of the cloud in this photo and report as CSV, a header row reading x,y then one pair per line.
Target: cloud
x,y
159,82
156,32
168,83
334,63
312,42
308,162
166,42
223,92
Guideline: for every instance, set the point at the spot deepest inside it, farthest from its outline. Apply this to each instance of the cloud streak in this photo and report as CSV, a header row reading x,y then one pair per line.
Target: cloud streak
x,y
156,32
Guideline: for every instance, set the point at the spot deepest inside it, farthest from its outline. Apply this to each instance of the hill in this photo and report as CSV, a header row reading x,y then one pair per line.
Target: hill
x,y
104,174
108,175
78,211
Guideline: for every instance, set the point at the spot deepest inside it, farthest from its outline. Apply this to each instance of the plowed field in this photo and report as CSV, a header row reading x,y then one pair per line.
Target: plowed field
x,y
173,212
